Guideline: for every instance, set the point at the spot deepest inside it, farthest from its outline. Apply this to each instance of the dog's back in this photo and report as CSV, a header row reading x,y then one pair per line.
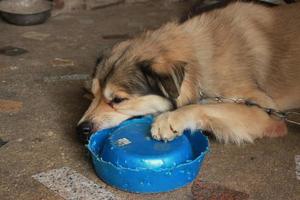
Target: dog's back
x,y
253,41
286,55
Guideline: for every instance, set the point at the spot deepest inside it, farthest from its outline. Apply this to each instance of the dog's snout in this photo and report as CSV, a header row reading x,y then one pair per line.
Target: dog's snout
x,y
84,131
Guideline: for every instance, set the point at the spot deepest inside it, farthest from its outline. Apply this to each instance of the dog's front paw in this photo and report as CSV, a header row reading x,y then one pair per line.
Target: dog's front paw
x,y
168,125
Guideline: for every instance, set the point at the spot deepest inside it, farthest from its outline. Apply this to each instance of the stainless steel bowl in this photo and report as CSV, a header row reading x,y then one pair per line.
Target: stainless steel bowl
x,y
25,12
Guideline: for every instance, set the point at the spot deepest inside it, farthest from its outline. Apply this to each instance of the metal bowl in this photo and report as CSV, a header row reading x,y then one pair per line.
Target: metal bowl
x,y
127,158
32,13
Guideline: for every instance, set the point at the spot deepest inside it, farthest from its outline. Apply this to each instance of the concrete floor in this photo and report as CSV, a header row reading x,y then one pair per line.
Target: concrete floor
x,y
40,132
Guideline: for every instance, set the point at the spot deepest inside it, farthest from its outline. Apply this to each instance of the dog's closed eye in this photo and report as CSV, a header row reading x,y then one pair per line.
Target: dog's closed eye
x,y
117,100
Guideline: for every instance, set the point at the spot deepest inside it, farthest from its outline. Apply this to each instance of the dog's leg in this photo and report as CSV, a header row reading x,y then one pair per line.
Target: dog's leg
x,y
259,97
228,122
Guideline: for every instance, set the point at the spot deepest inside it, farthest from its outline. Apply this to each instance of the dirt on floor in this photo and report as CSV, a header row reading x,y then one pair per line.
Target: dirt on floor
x,y
41,99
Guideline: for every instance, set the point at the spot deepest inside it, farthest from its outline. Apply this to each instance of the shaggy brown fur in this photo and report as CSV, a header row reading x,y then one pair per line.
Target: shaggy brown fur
x,y
243,51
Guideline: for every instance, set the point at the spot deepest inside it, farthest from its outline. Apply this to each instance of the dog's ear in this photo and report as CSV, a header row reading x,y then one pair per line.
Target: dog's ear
x,y
91,88
101,70
97,63
150,76
95,88
165,81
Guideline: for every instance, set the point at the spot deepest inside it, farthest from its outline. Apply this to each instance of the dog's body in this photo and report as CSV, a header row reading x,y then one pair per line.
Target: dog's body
x,y
241,51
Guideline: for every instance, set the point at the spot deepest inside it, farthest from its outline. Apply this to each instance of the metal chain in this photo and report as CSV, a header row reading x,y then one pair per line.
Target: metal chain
x,y
272,112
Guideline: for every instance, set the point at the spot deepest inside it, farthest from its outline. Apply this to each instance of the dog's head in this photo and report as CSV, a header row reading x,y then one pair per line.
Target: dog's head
x,y
138,77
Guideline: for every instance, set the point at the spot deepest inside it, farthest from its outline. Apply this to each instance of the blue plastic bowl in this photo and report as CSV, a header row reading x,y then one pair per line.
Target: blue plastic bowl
x,y
127,158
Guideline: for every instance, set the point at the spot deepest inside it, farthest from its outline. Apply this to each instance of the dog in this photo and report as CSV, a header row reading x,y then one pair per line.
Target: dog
x,y
242,51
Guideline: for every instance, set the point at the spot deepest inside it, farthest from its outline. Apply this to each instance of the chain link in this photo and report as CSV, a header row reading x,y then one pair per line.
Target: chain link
x,y
280,115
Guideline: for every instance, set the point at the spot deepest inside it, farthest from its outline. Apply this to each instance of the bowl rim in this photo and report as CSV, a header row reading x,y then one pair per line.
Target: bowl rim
x,y
24,15
198,158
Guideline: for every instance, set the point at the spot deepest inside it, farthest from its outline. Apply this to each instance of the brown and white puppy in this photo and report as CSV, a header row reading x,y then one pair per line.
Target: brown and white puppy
x,y
241,51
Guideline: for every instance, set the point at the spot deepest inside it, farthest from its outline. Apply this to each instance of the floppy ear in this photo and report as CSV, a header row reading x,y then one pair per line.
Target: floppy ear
x,y
166,82
95,86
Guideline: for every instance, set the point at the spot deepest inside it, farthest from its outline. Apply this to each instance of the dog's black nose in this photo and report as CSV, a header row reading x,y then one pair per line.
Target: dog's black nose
x,y
84,131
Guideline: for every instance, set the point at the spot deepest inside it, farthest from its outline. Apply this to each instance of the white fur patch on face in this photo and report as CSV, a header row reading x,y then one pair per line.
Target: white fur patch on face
x,y
108,119
149,104
108,92
95,86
